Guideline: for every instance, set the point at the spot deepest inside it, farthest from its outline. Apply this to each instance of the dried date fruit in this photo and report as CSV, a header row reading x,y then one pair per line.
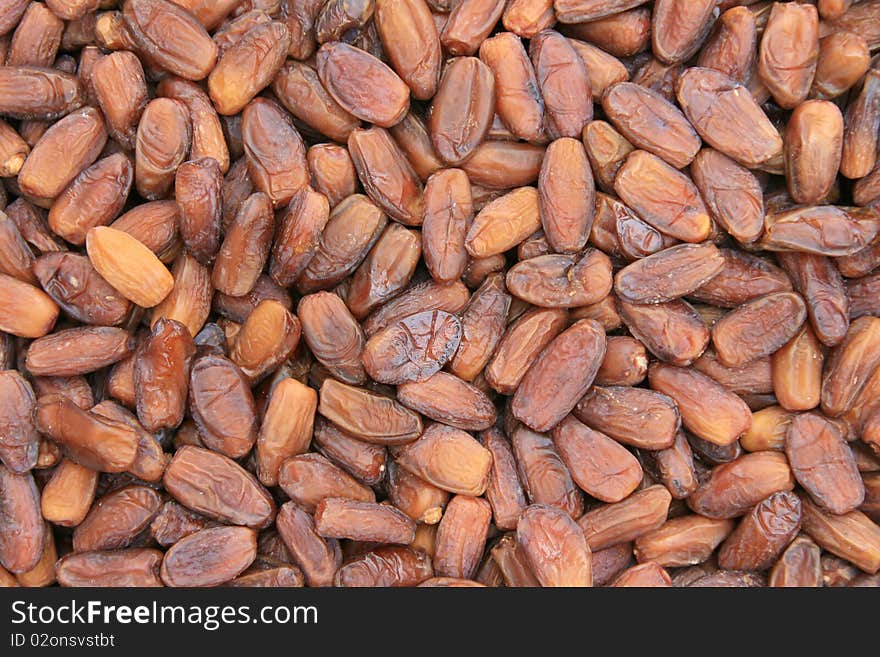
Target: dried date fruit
x,y
758,328
161,375
91,440
412,349
129,266
209,557
94,347
420,500
682,541
651,123
852,536
23,529
310,478
448,458
789,52
611,410
66,148
30,92
170,37
368,415
560,376
116,519
554,547
545,477
601,467
798,565
518,101
469,23
561,280
669,274
274,150
564,84
566,196
362,85
732,193
385,567
245,247
707,409
823,464
215,486
672,331
733,488
248,66
319,558
727,117
133,567
663,197
268,337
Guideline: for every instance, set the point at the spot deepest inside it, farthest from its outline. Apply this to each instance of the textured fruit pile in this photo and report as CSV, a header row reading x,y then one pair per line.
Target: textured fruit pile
x,y
439,293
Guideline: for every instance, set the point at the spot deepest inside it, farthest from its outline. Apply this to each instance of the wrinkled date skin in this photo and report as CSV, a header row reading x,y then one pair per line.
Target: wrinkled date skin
x,y
562,281
440,293
368,415
727,117
457,128
161,375
707,409
222,405
757,541
733,488
363,85
613,524
600,466
22,530
545,477
758,328
217,487
555,547
669,274
87,438
209,557
823,464
19,440
663,197
652,123
560,376
449,459
171,37
609,409
134,567
412,349
116,519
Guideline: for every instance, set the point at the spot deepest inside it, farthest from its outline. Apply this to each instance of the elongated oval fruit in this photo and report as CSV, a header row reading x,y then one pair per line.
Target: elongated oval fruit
x,y
248,66
651,123
663,197
726,116
216,486
457,128
413,348
758,328
171,37
363,85
669,274
560,376
555,547
822,463
128,266
367,415
448,458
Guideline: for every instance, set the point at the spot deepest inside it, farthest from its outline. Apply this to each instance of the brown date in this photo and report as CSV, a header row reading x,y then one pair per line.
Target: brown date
x,y
215,486
554,547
